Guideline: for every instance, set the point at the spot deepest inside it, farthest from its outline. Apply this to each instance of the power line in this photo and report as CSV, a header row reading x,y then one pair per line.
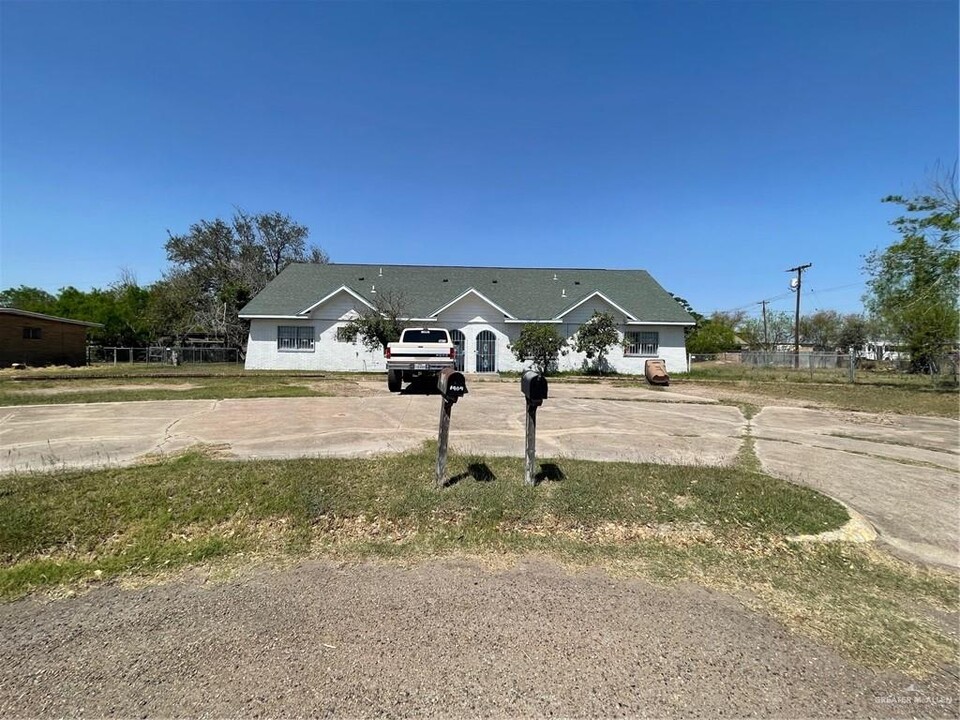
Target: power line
x,y
782,296
840,287
755,304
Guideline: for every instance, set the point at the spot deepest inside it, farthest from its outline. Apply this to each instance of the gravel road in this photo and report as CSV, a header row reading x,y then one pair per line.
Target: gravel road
x,y
439,639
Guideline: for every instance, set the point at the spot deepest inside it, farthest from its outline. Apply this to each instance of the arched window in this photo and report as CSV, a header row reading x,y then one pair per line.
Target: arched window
x,y
486,352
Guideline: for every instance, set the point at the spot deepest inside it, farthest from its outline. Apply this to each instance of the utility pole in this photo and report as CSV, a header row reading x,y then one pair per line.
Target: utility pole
x,y
766,343
796,323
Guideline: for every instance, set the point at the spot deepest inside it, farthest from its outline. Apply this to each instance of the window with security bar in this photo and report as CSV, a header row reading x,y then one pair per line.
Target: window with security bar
x,y
294,337
643,343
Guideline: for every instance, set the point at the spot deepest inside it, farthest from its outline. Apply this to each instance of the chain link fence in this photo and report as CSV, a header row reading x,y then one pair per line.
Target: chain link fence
x,y
805,360
825,364
186,355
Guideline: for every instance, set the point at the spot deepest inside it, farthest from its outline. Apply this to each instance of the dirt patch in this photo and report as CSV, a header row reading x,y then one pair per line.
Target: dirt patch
x,y
341,388
15,372
611,532
436,639
90,387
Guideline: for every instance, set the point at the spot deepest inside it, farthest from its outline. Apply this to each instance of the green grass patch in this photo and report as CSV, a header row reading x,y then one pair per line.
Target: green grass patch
x,y
151,510
886,377
873,391
903,400
82,389
725,527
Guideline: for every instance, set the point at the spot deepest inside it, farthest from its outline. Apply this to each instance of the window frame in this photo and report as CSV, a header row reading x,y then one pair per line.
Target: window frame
x,y
643,345
302,339
32,333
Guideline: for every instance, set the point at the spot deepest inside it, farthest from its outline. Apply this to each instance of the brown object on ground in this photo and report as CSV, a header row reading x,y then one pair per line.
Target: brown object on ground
x,y
656,372
445,638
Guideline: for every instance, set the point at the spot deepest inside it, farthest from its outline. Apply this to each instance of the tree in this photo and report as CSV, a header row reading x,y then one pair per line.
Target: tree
x,y
779,331
170,312
120,309
685,304
225,264
130,322
595,337
379,325
913,284
30,299
730,318
712,335
280,239
822,329
541,344
854,332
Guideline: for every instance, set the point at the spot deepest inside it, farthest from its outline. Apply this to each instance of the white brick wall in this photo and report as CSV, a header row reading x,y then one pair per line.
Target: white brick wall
x,y
672,350
471,316
328,353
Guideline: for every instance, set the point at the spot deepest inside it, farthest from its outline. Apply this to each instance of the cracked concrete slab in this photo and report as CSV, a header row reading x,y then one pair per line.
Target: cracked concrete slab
x,y
485,423
489,421
902,473
97,434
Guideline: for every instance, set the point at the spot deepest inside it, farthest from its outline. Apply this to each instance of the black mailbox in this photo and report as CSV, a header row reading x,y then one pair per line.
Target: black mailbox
x,y
534,386
451,384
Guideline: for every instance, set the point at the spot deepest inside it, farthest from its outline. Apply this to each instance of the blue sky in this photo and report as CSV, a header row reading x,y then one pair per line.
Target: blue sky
x,y
714,144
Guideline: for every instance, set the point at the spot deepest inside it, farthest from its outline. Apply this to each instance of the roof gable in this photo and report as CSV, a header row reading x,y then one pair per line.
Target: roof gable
x,y
475,293
330,296
521,294
608,301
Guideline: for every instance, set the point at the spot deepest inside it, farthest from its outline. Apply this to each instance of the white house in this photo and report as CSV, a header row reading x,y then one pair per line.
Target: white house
x,y
294,321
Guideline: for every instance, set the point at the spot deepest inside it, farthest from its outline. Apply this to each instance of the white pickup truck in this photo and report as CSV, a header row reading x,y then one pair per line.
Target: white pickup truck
x,y
420,352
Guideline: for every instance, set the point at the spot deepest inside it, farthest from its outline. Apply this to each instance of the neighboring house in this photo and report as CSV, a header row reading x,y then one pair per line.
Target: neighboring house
x,y
882,350
36,339
294,321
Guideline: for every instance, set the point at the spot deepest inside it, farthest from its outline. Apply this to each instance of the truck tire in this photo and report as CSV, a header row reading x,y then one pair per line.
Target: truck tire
x,y
394,380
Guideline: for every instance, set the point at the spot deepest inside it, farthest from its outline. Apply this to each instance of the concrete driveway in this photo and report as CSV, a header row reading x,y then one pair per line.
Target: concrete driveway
x,y
900,472
577,421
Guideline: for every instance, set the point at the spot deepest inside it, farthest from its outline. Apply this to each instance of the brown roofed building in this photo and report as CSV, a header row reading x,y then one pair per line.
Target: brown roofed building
x,y
35,339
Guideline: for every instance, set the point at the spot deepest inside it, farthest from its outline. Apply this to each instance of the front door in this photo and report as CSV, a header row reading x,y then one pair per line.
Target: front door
x,y
486,352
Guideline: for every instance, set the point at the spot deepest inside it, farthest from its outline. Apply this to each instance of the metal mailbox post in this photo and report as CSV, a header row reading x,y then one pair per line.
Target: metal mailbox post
x,y
533,385
452,386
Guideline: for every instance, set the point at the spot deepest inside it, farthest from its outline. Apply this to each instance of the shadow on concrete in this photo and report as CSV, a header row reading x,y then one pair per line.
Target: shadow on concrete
x,y
549,472
480,472
421,387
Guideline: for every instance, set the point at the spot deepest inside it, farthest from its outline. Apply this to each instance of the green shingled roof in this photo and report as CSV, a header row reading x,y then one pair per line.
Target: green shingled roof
x,y
524,293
